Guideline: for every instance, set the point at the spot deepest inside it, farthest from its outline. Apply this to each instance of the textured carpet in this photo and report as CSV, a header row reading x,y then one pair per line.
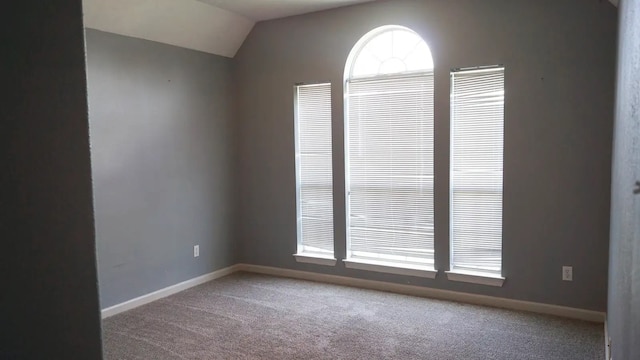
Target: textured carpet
x,y
249,316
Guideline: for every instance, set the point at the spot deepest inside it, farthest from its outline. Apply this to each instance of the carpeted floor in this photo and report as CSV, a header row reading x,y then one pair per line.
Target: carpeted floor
x,y
249,316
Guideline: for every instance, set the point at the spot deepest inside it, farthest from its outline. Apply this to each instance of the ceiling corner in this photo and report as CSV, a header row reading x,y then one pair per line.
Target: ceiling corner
x,y
184,23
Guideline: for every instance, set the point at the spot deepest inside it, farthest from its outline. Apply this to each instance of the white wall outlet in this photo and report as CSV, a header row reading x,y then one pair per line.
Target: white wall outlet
x,y
567,273
196,251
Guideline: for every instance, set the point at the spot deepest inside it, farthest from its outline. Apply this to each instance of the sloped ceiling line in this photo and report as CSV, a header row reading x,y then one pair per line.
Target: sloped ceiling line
x,y
213,26
185,23
259,10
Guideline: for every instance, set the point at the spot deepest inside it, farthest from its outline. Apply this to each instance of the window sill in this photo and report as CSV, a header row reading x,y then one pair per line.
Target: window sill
x,y
475,278
391,268
315,259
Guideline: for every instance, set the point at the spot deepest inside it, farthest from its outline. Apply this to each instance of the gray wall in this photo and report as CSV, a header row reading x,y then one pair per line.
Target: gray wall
x,y
49,298
623,313
560,67
160,119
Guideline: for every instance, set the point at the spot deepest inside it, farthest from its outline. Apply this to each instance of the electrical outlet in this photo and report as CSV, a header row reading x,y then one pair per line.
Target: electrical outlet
x,y
196,251
567,273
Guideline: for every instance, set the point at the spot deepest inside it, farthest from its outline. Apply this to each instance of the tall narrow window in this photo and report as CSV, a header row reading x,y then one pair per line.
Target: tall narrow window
x,y
314,175
477,143
389,96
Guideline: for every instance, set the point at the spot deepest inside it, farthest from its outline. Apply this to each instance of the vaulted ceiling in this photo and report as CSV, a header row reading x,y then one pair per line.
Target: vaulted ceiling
x,y
214,26
259,10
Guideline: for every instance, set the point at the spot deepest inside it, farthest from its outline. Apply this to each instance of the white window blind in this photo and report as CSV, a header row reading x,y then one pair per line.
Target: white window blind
x,y
314,175
390,168
477,143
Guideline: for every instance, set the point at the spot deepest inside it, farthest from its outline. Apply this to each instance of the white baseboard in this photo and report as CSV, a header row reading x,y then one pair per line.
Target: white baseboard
x,y
607,342
170,290
563,311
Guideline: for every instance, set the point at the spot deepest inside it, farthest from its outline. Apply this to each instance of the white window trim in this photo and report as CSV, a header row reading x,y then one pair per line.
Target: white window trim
x,y
368,264
315,259
463,275
391,268
301,256
475,278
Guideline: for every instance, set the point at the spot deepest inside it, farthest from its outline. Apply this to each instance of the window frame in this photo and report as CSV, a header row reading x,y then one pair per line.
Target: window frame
x,y
328,259
469,274
411,269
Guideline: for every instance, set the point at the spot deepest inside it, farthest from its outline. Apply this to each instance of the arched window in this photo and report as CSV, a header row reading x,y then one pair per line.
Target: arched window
x,y
389,50
389,116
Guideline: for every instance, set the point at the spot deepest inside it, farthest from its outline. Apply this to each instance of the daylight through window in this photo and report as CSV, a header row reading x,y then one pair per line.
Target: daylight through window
x,y
389,94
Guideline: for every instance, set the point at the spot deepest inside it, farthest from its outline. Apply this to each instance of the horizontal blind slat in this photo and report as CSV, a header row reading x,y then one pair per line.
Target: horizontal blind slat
x,y
477,146
390,157
314,169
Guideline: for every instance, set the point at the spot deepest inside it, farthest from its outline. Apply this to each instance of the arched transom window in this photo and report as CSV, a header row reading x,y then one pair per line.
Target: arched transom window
x,y
390,50
389,105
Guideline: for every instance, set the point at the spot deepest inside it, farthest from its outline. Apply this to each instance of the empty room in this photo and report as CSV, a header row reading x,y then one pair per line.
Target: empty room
x,y
344,179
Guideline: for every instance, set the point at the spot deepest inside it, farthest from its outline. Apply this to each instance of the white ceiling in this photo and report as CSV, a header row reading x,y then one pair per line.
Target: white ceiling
x,y
259,10
213,26
185,23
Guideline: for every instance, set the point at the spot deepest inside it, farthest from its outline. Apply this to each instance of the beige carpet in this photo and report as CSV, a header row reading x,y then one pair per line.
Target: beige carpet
x,y
249,316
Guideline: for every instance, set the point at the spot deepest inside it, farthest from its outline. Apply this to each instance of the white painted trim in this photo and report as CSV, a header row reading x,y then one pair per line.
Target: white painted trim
x,y
390,268
315,259
607,341
497,281
563,311
170,290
